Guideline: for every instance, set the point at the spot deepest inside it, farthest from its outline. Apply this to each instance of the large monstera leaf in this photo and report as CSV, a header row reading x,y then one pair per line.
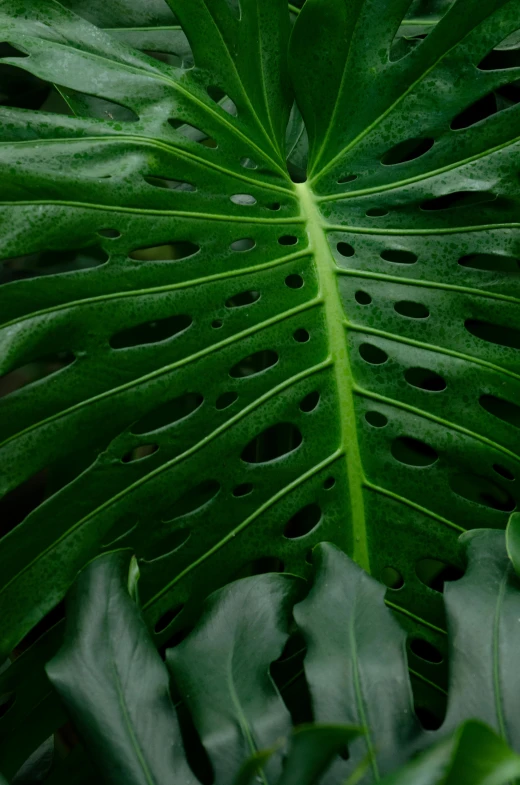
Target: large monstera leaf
x,y
219,367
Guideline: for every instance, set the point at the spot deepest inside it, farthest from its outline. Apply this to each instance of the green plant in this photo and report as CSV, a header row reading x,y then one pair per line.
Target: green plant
x,y
225,367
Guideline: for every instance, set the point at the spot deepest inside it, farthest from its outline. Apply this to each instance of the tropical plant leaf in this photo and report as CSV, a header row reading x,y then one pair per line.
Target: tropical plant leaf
x,y
473,755
113,683
346,625
513,541
215,365
222,673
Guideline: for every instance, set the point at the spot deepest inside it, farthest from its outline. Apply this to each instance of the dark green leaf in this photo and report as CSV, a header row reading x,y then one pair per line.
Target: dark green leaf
x,y
113,682
312,749
513,540
222,673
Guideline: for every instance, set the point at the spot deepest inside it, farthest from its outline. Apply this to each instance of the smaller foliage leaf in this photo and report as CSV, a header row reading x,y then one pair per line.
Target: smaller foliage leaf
x,y
483,609
113,682
513,541
313,748
346,625
222,672
473,755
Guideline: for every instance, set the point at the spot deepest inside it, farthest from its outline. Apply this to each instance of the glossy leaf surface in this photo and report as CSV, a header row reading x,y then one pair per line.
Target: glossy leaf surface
x,y
368,395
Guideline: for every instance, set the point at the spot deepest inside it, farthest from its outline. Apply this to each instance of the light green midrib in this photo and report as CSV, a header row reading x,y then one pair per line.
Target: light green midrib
x,y
337,335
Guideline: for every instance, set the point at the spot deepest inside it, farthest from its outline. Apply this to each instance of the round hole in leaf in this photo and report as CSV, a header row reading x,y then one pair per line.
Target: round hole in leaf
x,y
273,443
372,354
376,419
217,324
363,298
503,471
397,256
274,206
426,650
242,490
288,239
411,309
294,281
434,573
425,379
329,483
244,244
303,522
392,578
167,618
345,249
225,400
413,452
311,400
301,335
376,212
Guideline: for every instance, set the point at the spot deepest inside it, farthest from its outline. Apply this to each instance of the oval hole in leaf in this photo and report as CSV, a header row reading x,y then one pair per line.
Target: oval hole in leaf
x,y
273,443
248,163
19,502
244,298
192,133
52,263
493,262
329,483
6,702
151,332
457,199
245,200
172,252
195,499
347,178
426,650
475,112
434,573
294,281
376,212
396,256
494,333
363,298
481,490
34,371
113,234
138,453
376,419
171,185
288,239
372,354
225,400
217,324
500,60
255,363
167,618
504,410
310,402
244,244
413,452
392,578
222,99
425,379
242,490
169,413
274,206
303,522
504,472
173,541
411,309
408,150
345,249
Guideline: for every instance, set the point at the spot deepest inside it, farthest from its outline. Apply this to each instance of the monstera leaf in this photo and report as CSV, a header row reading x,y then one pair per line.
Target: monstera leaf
x,y
361,701
220,367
